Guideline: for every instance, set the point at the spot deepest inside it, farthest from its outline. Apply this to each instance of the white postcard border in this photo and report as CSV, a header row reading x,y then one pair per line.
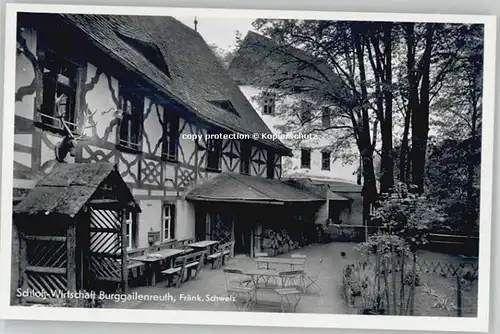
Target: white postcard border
x,y
479,324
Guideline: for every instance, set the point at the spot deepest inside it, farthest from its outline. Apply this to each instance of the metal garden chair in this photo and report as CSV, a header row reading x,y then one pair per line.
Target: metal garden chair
x,y
290,292
309,279
238,284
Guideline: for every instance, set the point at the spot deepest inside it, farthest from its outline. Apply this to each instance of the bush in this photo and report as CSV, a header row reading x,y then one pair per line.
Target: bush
x,y
409,277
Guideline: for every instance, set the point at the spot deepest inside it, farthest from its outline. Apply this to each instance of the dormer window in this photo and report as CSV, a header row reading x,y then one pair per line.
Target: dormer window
x,y
148,49
226,105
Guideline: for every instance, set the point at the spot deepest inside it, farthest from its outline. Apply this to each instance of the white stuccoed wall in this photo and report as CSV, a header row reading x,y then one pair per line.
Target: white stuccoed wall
x,y
337,168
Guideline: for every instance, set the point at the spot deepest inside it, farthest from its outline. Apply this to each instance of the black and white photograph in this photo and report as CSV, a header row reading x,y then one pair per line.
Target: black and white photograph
x,y
253,165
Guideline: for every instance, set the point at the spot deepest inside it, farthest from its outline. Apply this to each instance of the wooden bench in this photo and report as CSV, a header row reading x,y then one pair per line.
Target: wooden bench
x,y
152,249
185,242
183,268
112,279
218,258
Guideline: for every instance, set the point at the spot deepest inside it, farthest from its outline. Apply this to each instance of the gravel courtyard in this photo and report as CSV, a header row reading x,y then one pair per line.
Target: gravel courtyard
x,y
329,300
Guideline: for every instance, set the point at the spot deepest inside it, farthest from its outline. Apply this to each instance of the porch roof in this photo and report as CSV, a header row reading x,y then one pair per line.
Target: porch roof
x,y
229,187
336,197
67,188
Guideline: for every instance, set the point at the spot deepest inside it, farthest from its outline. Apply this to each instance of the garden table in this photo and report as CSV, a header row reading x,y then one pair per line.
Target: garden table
x,y
205,245
280,287
152,262
281,260
258,274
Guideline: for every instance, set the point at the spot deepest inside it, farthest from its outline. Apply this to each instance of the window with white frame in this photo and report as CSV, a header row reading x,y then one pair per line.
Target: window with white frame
x,y
168,224
131,121
59,80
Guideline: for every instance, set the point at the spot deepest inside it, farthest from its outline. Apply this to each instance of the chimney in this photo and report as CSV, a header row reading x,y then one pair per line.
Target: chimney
x,y
195,24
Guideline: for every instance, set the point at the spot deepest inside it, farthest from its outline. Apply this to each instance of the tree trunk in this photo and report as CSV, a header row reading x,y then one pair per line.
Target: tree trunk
x,y
412,95
387,163
403,154
364,140
420,116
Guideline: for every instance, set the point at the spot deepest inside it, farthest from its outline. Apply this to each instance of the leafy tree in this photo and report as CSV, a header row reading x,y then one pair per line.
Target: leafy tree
x,y
224,56
387,86
323,64
434,51
411,217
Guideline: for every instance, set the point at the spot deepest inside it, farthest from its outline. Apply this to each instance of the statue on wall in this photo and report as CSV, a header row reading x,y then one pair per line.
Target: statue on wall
x,y
69,142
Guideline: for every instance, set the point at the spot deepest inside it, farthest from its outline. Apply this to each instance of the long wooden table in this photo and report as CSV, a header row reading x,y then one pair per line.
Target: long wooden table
x,y
292,262
152,262
204,245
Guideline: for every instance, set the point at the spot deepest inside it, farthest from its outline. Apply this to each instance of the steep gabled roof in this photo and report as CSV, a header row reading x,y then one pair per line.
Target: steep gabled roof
x,y
67,188
261,61
191,73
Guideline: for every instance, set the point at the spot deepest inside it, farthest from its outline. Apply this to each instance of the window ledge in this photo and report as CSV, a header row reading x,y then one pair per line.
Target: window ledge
x,y
128,149
53,128
172,160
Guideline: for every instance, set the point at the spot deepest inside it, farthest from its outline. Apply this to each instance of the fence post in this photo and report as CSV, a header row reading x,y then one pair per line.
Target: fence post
x,y
459,296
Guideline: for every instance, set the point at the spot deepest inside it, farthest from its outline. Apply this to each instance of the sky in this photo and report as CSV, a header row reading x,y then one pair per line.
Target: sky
x,y
219,31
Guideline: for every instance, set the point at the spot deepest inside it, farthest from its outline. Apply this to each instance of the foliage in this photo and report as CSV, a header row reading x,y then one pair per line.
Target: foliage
x,y
407,219
448,181
335,232
224,56
441,300
384,245
277,241
409,215
384,83
361,281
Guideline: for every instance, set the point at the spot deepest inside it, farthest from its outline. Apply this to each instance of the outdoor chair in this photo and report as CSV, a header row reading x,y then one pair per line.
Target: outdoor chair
x,y
261,265
194,264
237,285
300,257
217,258
228,252
290,292
310,279
175,275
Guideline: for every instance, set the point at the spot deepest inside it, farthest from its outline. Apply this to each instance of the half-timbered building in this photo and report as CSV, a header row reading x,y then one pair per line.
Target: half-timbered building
x,y
144,94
